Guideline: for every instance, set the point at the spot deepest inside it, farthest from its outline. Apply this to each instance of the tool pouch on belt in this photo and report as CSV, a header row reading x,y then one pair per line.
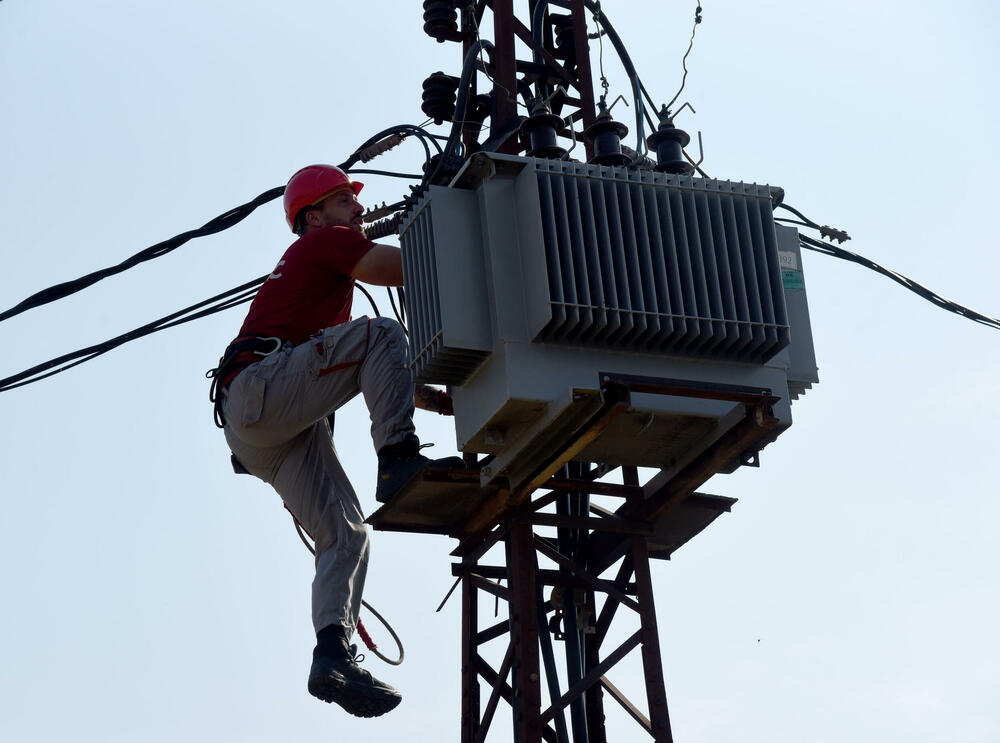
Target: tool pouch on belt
x,y
231,362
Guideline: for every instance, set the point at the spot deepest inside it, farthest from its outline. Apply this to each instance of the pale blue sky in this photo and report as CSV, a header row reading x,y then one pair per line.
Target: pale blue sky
x,y
149,594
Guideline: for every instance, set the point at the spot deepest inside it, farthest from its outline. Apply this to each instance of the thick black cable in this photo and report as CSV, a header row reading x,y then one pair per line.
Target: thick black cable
x,y
370,298
623,55
918,289
468,66
396,310
222,222
808,222
218,303
798,222
390,173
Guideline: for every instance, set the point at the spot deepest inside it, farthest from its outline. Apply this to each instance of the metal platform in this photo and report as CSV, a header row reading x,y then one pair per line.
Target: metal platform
x,y
441,502
595,560
434,502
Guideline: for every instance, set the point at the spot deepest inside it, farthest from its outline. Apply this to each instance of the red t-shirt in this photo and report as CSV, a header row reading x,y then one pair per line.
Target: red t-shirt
x,y
310,289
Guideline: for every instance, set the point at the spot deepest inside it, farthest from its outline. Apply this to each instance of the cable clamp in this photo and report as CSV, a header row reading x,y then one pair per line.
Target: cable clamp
x,y
278,343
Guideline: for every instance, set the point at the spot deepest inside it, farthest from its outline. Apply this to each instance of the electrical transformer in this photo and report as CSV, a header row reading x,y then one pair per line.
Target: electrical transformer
x,y
531,280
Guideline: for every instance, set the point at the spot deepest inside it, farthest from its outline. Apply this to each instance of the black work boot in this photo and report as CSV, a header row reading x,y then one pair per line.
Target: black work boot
x,y
336,677
398,463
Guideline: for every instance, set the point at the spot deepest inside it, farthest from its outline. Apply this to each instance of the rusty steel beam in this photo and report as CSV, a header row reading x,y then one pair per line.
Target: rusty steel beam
x,y
652,663
524,634
634,712
524,33
491,588
548,577
579,572
586,86
499,685
689,388
470,656
610,607
594,696
493,632
750,433
593,677
592,487
490,511
505,78
620,526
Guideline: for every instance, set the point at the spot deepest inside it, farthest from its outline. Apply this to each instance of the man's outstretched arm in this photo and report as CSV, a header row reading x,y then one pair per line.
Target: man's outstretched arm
x,y
381,266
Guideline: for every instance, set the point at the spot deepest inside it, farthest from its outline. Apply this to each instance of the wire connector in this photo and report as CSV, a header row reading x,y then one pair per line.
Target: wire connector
x,y
384,227
832,233
383,145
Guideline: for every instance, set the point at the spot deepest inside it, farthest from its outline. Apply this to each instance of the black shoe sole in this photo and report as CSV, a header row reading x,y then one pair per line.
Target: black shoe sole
x,y
356,699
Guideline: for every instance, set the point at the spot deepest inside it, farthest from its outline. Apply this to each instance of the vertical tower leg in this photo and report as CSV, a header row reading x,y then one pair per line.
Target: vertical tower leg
x,y
652,664
595,694
470,652
524,633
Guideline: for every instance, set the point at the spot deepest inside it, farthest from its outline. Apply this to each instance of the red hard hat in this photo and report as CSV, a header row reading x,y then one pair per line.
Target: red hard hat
x,y
311,185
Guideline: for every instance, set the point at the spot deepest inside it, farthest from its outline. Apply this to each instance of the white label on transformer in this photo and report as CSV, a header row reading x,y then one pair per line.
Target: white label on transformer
x,y
788,260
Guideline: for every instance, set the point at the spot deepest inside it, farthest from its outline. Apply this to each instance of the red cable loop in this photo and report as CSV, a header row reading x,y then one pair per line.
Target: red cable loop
x,y
365,637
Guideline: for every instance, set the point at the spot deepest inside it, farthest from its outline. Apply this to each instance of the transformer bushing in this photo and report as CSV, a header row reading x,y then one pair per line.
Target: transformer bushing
x,y
439,97
542,128
606,135
668,141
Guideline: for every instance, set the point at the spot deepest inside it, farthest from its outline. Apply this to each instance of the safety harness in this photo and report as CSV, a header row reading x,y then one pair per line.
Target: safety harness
x,y
238,355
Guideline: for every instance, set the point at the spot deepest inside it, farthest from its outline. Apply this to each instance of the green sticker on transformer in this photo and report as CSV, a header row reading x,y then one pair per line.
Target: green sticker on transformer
x,y
792,280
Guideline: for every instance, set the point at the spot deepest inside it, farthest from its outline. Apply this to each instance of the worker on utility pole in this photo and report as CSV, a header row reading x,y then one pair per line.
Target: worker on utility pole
x,y
297,359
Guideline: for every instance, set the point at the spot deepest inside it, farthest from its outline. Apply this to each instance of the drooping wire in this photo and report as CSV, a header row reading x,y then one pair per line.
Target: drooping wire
x,y
626,60
640,146
918,289
510,96
600,52
694,29
371,299
218,303
222,222
397,311
468,67
824,230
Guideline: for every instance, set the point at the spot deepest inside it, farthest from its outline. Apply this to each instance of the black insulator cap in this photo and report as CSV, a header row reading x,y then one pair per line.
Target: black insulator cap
x,y
542,128
606,135
439,97
668,141
562,26
440,18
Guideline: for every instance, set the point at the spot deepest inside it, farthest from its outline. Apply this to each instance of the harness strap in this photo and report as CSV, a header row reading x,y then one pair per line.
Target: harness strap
x,y
258,345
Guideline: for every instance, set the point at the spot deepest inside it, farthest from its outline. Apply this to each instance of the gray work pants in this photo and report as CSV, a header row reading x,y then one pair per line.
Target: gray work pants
x,y
276,424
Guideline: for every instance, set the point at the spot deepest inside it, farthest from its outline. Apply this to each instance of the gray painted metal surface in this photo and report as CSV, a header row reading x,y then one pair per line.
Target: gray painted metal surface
x,y
527,278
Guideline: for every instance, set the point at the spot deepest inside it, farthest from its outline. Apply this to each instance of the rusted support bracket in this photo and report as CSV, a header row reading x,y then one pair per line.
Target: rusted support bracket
x,y
593,676
623,700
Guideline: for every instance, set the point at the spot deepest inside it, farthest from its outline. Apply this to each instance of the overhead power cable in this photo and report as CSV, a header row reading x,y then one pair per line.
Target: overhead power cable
x,y
222,222
918,289
224,301
832,233
218,303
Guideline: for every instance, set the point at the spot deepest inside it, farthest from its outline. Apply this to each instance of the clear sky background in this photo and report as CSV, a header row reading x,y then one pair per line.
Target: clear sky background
x,y
149,594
